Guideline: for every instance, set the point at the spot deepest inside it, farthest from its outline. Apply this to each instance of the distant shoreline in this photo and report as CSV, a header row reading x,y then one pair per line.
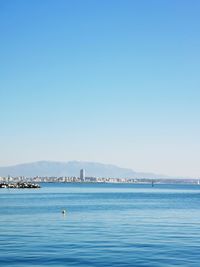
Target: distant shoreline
x,y
14,181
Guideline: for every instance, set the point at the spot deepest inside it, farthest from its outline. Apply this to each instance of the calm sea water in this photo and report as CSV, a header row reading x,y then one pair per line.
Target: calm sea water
x,y
105,225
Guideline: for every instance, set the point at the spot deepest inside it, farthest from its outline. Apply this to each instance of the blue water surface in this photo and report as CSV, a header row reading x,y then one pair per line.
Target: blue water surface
x,y
105,225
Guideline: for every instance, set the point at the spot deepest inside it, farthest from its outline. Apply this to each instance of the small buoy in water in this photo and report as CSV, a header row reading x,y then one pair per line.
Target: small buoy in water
x,y
63,212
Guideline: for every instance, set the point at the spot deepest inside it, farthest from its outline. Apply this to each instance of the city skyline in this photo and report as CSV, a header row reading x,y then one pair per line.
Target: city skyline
x,y
79,169
105,81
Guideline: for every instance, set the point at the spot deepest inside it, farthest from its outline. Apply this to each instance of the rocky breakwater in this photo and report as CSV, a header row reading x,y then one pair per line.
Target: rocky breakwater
x,y
21,185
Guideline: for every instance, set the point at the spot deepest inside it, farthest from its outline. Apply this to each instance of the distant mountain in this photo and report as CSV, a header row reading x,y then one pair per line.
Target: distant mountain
x,y
72,168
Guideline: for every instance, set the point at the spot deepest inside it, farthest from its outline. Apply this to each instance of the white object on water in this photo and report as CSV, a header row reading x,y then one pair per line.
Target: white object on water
x,y
64,212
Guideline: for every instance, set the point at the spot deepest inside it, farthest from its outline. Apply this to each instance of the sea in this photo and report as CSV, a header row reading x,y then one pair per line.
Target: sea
x,y
104,225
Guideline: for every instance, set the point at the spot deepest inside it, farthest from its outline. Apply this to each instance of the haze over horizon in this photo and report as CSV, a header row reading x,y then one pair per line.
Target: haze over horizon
x,y
46,162
107,81
72,168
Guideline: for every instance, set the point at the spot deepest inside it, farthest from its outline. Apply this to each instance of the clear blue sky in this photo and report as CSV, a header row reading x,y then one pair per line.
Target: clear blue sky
x,y
109,81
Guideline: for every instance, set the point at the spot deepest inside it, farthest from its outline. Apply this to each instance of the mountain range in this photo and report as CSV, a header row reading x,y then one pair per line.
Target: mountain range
x,y
72,168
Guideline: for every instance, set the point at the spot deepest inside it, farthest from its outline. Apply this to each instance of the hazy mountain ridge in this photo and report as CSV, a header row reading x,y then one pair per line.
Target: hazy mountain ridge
x,y
72,168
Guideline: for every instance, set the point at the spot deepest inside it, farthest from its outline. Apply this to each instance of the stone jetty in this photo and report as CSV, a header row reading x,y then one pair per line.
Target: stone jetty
x,y
20,185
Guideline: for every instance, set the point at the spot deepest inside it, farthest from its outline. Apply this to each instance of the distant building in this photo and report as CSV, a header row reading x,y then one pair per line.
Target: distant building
x,y
82,175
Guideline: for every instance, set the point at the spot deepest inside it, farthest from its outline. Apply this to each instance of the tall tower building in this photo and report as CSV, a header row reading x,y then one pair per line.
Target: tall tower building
x,y
82,175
